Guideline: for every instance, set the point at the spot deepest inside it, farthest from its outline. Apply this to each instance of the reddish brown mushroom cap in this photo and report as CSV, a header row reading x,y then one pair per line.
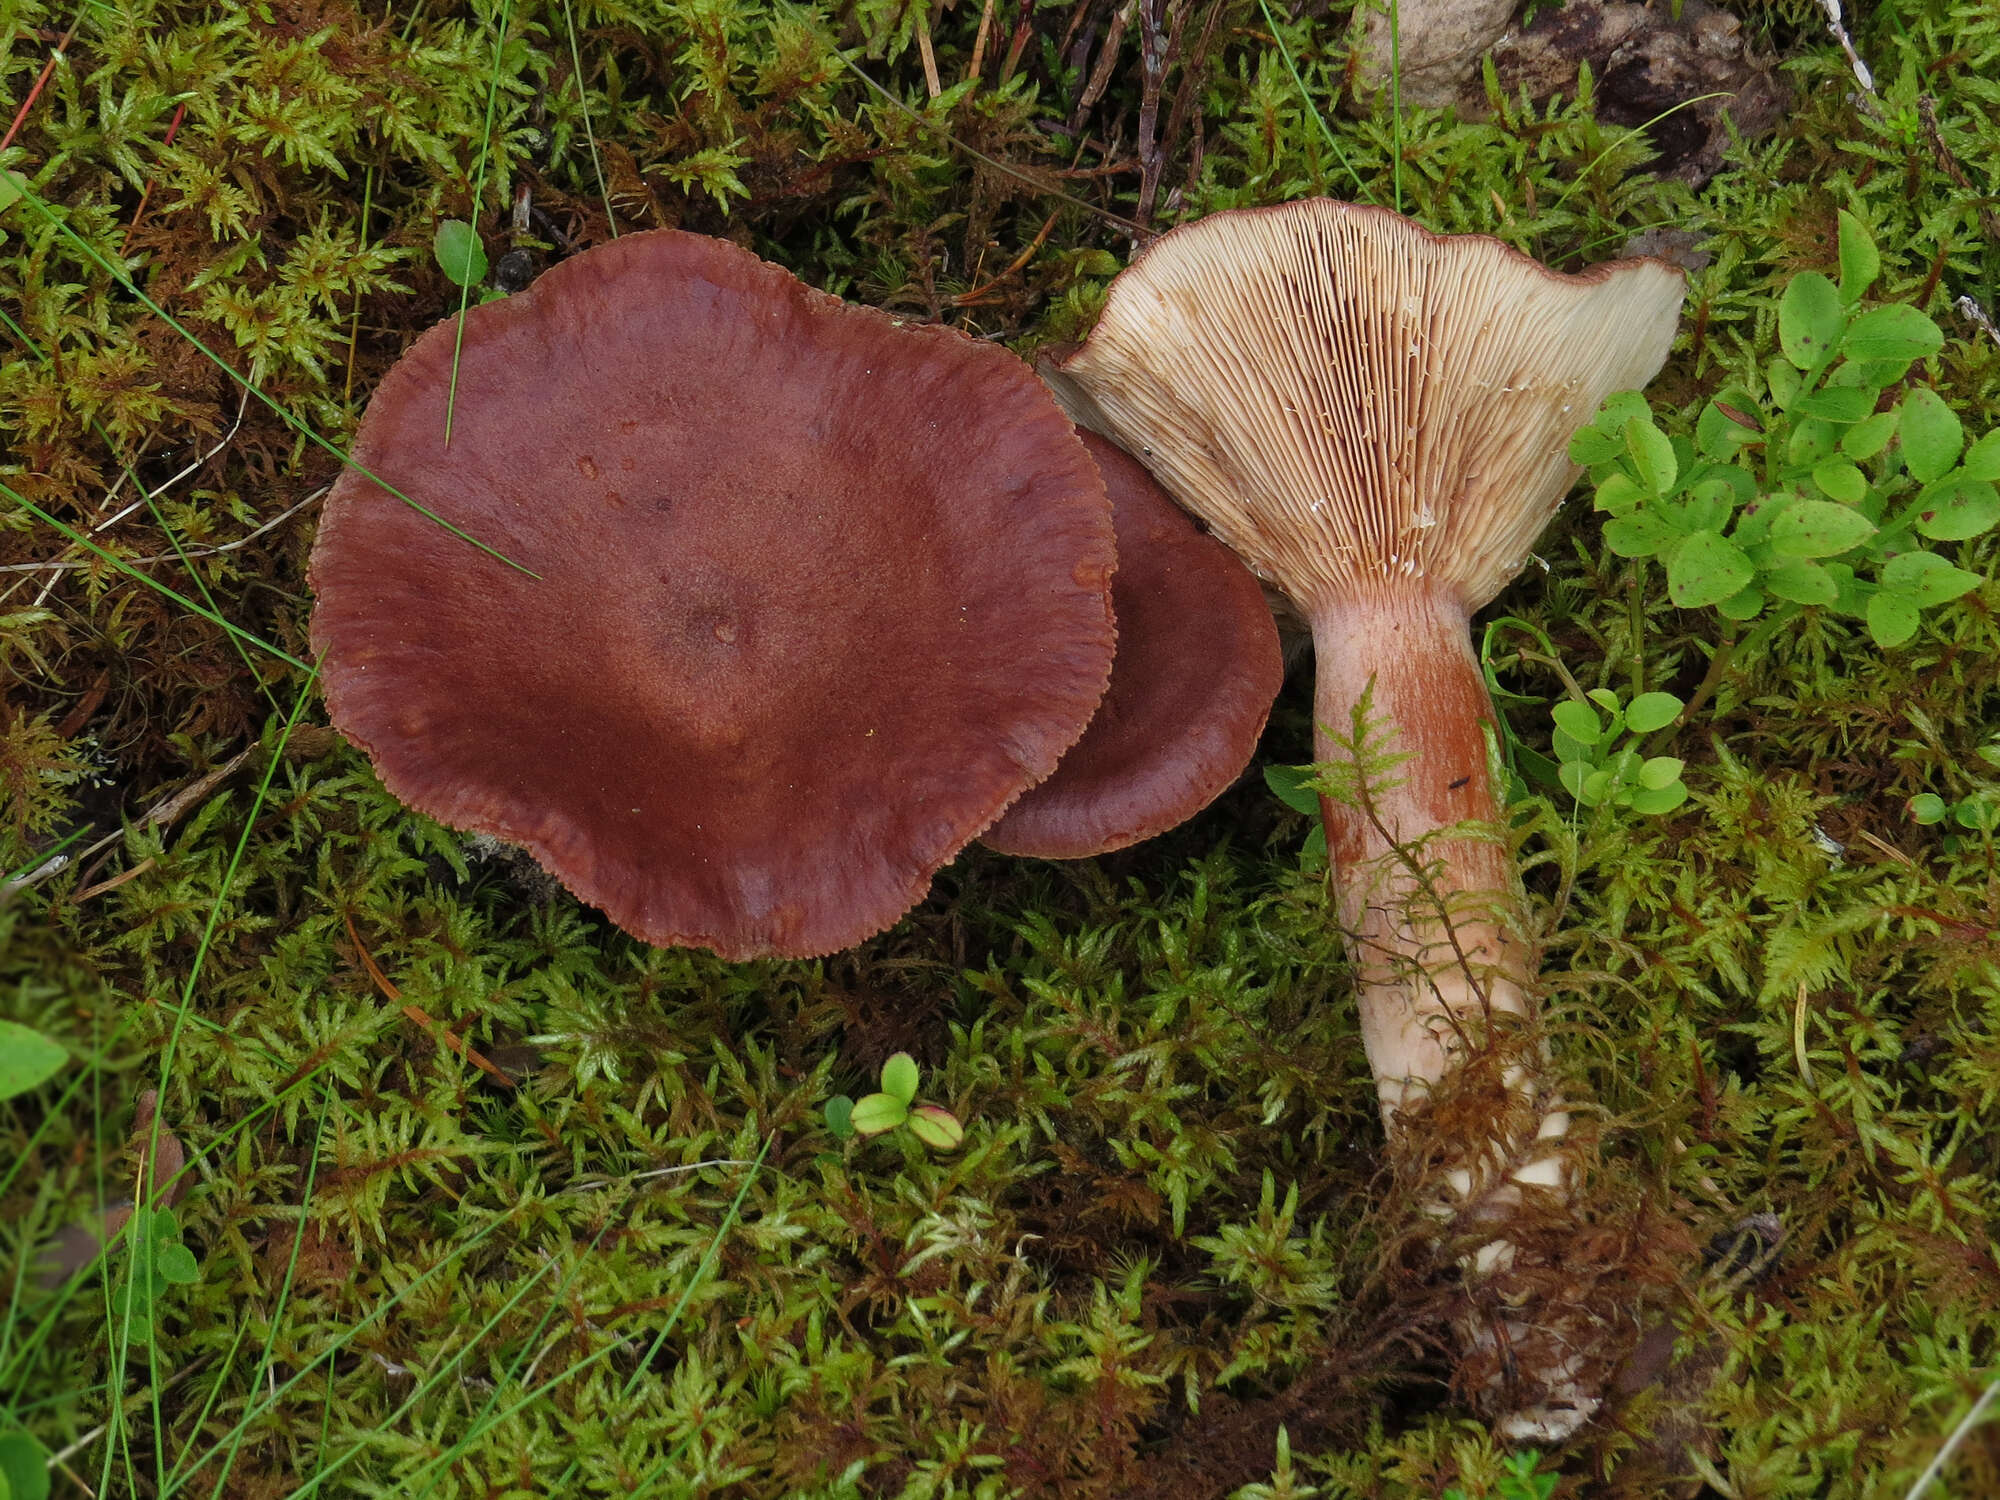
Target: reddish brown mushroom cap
x,y
1197,668
818,594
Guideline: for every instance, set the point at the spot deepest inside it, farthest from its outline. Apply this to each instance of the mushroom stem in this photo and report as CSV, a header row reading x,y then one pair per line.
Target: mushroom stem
x,y
1422,875
1424,889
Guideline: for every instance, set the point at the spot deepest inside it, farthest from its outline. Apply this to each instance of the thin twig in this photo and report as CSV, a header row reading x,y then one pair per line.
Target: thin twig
x,y
160,557
1838,27
1958,1436
57,54
165,811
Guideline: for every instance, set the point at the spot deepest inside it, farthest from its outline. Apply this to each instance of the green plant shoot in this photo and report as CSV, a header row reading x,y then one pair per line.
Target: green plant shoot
x,y
1820,485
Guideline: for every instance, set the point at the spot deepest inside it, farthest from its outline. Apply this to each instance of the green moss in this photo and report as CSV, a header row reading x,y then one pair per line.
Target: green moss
x,y
626,1256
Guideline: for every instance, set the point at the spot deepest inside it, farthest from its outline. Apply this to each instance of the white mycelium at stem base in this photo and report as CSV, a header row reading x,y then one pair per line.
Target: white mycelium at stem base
x,y
1377,420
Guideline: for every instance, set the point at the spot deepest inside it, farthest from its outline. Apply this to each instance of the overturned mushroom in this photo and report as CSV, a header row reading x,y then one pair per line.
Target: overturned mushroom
x,y
766,669
1198,666
1376,419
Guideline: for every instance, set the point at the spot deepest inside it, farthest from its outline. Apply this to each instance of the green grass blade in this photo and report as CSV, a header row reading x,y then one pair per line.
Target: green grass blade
x,y
478,192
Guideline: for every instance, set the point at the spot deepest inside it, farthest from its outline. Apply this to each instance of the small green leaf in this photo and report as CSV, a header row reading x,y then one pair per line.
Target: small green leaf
x,y
1932,434
875,1113
1618,493
1976,813
1841,480
937,1128
1785,383
1746,604
1925,579
1706,568
1290,786
459,254
1968,508
1982,459
1660,771
1818,528
176,1264
900,1077
1927,807
1838,403
1809,320
1596,789
1726,425
1652,456
24,1466
1801,582
1572,774
1892,619
1577,720
1896,332
1860,262
1651,711
840,1116
1652,801
1867,438
1642,534
27,1059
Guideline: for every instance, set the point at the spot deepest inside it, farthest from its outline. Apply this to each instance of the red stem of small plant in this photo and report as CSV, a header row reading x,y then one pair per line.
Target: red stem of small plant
x,y
173,125
41,79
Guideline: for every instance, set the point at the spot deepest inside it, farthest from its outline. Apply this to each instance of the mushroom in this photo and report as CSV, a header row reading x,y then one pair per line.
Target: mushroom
x,y
761,668
1197,668
1376,419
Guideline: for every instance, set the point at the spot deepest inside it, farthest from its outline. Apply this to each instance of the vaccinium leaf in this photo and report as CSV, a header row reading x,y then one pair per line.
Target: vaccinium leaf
x,y
875,1113
1656,800
1801,582
459,254
1706,568
1892,618
1897,331
1818,528
1841,480
1651,711
1932,434
1652,456
1982,459
1927,807
1640,535
1925,578
1860,262
1870,436
1660,771
24,1466
1810,321
937,1128
1839,403
1577,720
27,1059
1745,604
1966,508
899,1077
1288,784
